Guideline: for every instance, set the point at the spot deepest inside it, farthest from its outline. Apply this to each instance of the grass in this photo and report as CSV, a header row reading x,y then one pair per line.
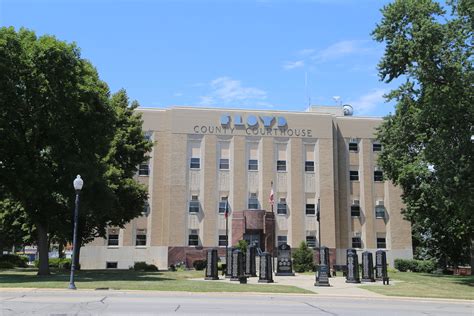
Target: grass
x,y
131,280
427,285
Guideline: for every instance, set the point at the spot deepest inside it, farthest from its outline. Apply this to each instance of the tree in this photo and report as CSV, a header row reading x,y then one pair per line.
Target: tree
x,y
426,143
303,258
13,225
57,120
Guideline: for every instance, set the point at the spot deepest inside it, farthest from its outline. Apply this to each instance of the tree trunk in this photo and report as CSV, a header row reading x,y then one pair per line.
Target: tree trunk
x,y
61,250
43,268
1,247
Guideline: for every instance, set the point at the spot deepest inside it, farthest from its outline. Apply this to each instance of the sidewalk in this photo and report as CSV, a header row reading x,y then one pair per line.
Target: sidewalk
x,y
338,287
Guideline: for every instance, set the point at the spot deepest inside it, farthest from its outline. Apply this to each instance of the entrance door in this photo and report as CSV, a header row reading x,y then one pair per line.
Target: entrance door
x,y
253,238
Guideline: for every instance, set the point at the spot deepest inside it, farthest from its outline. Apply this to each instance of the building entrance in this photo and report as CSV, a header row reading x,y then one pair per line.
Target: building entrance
x,y
253,238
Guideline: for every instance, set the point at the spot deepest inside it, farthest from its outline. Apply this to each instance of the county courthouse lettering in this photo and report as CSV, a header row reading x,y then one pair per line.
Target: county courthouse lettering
x,y
261,126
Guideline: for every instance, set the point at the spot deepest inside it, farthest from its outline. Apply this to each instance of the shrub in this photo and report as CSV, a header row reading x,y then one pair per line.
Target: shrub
x,y
242,246
6,265
426,266
15,260
303,258
402,265
199,264
143,266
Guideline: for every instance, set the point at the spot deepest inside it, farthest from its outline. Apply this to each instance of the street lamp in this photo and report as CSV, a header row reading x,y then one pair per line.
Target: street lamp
x,y
78,183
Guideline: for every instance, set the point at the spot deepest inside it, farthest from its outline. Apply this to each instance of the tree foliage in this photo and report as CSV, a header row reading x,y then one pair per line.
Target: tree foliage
x,y
57,120
303,258
427,149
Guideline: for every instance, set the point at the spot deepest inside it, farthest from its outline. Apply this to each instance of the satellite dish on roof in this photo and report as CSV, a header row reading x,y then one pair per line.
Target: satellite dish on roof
x,y
348,110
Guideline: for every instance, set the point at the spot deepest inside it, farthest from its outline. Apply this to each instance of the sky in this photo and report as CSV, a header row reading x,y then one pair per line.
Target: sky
x,y
249,54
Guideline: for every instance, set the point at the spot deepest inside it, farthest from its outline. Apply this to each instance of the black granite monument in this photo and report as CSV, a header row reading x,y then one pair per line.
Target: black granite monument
x,y
211,266
228,262
250,261
381,266
284,263
238,261
323,273
266,272
352,275
367,267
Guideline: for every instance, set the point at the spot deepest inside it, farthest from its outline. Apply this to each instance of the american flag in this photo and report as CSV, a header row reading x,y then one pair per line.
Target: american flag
x,y
226,213
271,195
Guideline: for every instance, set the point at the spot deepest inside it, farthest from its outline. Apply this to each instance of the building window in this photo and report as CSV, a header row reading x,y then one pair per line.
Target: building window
x,y
222,240
143,169
281,165
113,238
353,145
309,166
141,237
310,209
356,242
253,202
253,164
224,164
148,135
281,240
111,265
146,209
379,211
381,242
223,205
311,241
354,175
281,206
194,204
376,147
355,210
195,163
378,175
193,240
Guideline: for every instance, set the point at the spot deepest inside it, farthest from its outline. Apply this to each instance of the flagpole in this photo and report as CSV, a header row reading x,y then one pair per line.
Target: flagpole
x,y
226,230
274,225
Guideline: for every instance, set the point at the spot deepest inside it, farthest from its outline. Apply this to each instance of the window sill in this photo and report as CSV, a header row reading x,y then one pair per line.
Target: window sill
x,y
113,247
141,247
195,169
252,170
311,215
282,214
143,175
309,172
282,171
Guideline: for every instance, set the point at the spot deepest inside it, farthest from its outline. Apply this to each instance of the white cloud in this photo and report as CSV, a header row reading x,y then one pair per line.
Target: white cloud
x,y
368,102
178,94
341,49
293,64
228,91
306,52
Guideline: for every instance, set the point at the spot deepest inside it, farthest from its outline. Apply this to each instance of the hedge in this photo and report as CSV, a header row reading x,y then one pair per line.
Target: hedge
x,y
143,266
13,261
426,266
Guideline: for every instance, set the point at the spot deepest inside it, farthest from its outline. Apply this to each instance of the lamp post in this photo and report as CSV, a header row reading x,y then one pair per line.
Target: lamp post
x,y
78,183
318,217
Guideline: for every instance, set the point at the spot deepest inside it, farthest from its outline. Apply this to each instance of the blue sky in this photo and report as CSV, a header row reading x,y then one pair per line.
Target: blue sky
x,y
242,54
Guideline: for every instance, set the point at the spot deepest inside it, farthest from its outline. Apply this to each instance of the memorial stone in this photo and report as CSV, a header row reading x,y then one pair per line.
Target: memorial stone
x,y
237,266
266,272
381,266
211,266
250,261
228,262
324,256
284,263
352,275
367,267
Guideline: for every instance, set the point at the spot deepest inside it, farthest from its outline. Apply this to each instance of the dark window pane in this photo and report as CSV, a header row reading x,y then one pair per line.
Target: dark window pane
x,y
355,210
353,146
253,204
281,208
193,206
193,240
253,164
381,242
380,211
309,166
377,147
111,265
224,164
143,169
222,240
141,240
354,175
378,175
281,165
311,241
310,209
356,242
195,163
113,240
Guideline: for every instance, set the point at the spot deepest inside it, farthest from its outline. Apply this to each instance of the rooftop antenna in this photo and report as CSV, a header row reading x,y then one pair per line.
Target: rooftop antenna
x,y
306,88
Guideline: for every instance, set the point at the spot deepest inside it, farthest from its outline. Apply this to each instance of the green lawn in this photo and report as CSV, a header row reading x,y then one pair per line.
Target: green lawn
x,y
131,280
427,285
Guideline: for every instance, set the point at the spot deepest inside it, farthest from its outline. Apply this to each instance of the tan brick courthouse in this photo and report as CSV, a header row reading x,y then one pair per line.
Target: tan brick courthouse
x,y
204,159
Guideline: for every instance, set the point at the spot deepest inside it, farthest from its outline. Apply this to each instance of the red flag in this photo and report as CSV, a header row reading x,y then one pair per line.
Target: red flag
x,y
226,213
271,195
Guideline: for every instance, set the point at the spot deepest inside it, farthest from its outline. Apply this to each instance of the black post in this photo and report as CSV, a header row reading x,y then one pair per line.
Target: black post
x,y
226,229
318,217
72,286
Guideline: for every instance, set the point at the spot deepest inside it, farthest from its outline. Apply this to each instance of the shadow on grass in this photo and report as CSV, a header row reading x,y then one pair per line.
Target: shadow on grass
x,y
15,276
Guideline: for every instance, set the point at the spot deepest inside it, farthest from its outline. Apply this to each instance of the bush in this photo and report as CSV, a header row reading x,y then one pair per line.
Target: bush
x,y
242,246
303,258
58,263
143,266
199,264
426,266
15,260
6,265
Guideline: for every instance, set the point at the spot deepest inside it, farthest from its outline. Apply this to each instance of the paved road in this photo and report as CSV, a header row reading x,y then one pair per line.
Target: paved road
x,y
62,303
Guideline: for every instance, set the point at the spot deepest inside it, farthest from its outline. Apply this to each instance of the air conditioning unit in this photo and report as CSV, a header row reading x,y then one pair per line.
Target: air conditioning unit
x,y
357,234
355,202
193,232
379,203
377,168
352,140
